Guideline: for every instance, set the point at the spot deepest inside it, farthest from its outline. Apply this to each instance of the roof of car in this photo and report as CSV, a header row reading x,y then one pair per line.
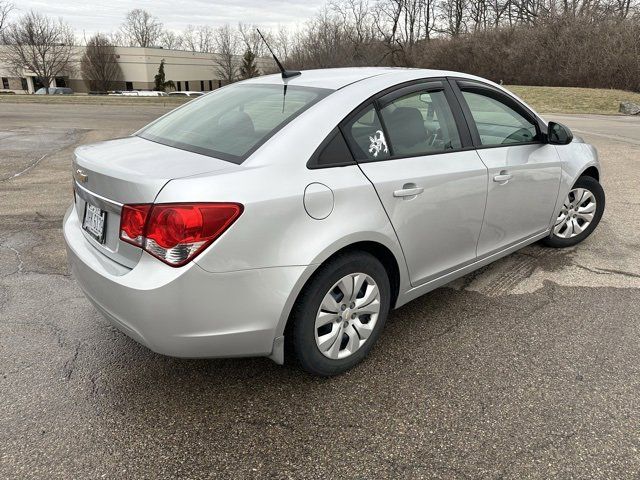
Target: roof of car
x,y
336,78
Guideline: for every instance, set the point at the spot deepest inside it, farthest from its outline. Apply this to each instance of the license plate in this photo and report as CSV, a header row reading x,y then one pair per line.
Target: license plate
x,y
93,222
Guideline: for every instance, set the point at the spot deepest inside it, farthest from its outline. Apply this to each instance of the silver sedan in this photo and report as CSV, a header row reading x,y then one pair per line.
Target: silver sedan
x,y
289,215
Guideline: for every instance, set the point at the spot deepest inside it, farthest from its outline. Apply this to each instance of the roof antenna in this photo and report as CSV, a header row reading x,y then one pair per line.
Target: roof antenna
x,y
285,73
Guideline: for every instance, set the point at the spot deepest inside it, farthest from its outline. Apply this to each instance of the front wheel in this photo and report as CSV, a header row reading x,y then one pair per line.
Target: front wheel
x,y
580,214
340,314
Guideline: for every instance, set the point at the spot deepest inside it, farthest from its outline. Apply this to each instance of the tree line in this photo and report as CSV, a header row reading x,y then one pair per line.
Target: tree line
x,y
592,43
589,43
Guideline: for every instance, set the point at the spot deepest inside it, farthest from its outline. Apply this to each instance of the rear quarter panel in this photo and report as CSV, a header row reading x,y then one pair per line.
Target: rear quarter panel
x,y
275,229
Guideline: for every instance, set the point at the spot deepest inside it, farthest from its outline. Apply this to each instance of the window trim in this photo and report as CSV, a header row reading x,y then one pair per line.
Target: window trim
x,y
427,86
407,88
458,83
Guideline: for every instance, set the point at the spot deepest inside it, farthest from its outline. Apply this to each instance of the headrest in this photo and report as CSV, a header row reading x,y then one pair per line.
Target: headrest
x,y
237,121
406,127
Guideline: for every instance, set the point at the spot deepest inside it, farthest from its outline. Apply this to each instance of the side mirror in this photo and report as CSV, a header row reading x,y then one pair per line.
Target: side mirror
x,y
558,134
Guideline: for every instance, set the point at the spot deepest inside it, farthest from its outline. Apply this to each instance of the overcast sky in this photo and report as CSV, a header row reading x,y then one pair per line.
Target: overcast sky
x,y
106,15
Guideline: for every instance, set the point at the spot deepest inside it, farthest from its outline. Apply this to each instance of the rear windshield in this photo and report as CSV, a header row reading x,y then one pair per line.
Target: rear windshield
x,y
233,122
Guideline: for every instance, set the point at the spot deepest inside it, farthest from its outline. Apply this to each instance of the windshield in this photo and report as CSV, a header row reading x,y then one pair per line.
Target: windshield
x,y
234,121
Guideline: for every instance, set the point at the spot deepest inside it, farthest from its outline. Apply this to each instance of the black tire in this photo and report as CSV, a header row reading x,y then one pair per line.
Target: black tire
x,y
594,187
300,337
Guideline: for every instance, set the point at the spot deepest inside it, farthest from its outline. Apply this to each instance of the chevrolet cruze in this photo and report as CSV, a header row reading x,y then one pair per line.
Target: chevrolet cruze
x,y
289,214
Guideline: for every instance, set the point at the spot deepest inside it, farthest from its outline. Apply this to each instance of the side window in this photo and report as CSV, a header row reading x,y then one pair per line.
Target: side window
x,y
497,122
420,123
366,137
333,152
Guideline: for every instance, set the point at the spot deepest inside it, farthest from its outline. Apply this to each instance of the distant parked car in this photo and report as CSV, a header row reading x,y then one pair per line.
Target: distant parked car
x,y
186,94
54,91
139,93
151,94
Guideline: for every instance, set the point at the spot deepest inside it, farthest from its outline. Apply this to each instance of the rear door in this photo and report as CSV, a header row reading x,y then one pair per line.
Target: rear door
x,y
414,147
524,172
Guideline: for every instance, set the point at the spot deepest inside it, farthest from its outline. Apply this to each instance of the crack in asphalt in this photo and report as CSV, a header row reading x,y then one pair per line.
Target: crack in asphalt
x,y
608,271
25,170
19,268
70,364
72,135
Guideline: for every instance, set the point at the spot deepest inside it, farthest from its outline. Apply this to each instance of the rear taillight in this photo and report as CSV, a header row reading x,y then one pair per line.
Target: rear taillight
x,y
132,222
177,232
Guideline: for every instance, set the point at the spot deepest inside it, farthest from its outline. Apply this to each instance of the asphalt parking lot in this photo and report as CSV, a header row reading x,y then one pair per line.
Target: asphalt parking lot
x,y
528,368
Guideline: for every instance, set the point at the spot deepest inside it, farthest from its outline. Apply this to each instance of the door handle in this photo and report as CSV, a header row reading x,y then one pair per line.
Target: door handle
x,y
503,177
408,191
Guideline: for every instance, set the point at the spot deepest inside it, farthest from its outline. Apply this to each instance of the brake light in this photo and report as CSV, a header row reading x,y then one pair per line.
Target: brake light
x,y
176,233
132,221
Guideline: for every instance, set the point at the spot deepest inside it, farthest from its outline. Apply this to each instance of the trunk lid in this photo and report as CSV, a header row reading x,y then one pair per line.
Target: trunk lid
x,y
127,171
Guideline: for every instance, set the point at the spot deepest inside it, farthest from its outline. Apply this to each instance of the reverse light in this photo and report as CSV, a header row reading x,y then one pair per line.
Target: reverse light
x,y
177,232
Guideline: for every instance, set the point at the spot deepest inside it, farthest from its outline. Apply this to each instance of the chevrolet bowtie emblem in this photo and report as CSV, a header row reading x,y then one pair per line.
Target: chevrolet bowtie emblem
x,y
80,176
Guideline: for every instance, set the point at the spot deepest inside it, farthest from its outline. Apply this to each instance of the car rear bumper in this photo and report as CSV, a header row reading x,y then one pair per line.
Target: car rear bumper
x,y
187,311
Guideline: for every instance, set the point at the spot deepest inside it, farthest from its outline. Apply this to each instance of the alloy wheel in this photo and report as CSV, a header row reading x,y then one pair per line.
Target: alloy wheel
x,y
347,315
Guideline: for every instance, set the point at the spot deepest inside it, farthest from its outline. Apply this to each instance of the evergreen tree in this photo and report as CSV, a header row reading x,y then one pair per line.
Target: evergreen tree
x,y
249,68
161,83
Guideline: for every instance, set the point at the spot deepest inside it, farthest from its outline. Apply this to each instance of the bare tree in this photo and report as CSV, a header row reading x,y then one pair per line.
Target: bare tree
x,y
199,38
141,29
358,27
171,40
225,59
117,38
252,41
453,17
282,44
38,44
99,67
5,9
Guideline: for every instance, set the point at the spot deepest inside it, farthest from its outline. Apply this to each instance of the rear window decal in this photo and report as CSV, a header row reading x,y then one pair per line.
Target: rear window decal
x,y
378,144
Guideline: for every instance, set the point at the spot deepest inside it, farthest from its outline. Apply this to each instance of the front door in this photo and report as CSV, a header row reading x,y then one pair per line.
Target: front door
x,y
524,172
409,146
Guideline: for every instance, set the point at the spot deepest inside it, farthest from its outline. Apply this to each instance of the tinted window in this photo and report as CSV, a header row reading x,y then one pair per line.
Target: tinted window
x,y
497,122
333,152
366,137
232,122
420,123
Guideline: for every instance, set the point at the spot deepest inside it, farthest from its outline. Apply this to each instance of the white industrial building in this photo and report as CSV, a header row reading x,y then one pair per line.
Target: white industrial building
x,y
193,71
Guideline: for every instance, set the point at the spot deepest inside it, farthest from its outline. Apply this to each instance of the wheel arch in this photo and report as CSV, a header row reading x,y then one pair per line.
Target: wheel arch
x,y
592,172
383,254
382,249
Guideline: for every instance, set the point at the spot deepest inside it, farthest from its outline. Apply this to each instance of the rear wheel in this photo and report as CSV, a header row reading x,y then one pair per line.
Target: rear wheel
x,y
340,314
579,215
